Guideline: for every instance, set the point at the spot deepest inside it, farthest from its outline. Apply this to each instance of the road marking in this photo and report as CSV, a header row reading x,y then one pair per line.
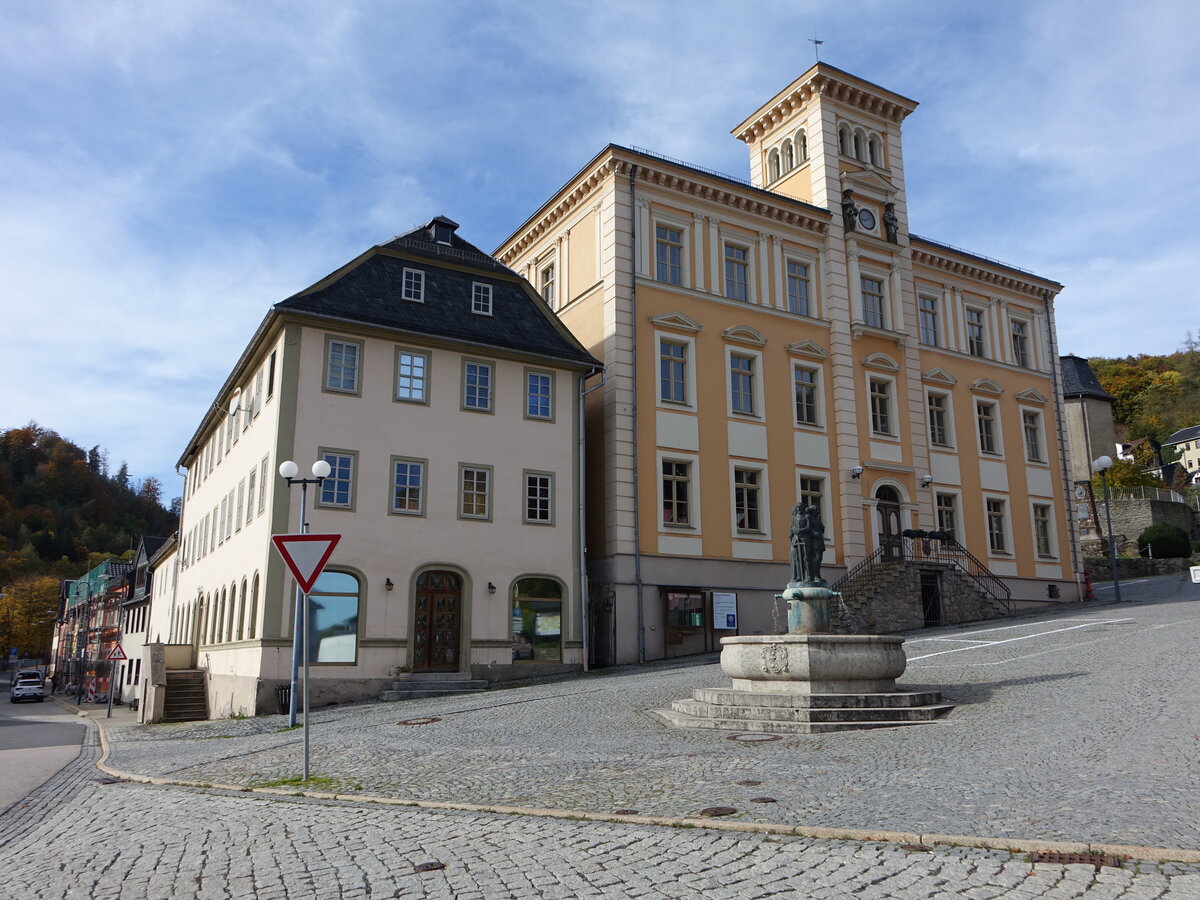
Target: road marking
x,y
1021,625
953,641
1109,587
1024,637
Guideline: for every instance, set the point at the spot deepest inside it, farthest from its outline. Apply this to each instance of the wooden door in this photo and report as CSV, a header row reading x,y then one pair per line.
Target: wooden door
x,y
437,622
888,505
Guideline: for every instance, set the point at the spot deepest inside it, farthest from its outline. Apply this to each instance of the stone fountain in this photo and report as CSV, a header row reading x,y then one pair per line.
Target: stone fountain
x,y
808,680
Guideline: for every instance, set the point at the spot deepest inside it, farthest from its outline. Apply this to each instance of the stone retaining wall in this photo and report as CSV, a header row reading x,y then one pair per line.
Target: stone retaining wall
x,y
1099,569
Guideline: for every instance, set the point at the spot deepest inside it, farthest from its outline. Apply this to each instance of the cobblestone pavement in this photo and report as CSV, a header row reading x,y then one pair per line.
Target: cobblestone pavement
x,y
1079,725
75,837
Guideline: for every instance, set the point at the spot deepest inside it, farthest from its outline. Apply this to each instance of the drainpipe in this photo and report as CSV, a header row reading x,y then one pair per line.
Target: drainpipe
x,y
637,533
582,489
178,551
1056,390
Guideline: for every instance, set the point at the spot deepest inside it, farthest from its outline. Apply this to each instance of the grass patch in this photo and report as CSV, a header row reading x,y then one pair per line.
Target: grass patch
x,y
287,728
217,737
314,781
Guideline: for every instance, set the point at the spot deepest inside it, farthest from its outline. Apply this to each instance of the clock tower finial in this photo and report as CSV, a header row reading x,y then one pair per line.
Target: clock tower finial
x,y
816,47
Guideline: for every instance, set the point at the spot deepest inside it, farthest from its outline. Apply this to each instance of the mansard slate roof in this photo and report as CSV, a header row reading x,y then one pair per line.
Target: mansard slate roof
x,y
368,291
1079,380
1190,433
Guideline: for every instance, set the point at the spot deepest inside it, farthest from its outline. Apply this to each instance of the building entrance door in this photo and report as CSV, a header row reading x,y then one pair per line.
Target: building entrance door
x,y
888,507
437,622
931,597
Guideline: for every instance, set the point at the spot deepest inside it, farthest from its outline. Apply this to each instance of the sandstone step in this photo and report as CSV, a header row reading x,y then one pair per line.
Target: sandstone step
x,y
421,688
434,676
891,699
896,715
683,720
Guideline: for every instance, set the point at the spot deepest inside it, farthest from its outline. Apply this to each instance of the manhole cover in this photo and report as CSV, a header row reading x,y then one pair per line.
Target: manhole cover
x,y
714,811
754,738
626,812
762,800
429,866
748,783
1077,859
428,720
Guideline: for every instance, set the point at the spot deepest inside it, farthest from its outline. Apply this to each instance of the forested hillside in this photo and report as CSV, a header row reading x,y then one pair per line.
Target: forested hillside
x,y
1155,395
59,506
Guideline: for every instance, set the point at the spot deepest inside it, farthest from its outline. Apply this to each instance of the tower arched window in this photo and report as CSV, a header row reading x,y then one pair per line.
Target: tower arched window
x,y
844,140
789,160
773,165
801,146
859,149
874,156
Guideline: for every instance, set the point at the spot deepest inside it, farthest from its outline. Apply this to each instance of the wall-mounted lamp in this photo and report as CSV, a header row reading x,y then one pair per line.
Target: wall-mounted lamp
x,y
926,480
856,472
491,588
387,585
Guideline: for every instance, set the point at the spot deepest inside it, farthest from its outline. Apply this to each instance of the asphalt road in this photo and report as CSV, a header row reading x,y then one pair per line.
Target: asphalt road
x,y
36,740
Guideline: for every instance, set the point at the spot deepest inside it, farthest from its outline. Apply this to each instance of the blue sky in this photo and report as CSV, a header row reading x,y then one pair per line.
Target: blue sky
x,y
170,170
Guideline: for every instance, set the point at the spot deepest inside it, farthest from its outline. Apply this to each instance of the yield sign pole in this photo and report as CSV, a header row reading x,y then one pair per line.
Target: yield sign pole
x,y
306,556
115,654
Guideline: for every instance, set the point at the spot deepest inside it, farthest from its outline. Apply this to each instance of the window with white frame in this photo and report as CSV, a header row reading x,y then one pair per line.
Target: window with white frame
x,y
985,419
258,392
337,490
668,254
737,269
1031,424
241,505
812,492
741,384
221,524
747,497
547,283
927,308
408,486
672,371
475,492
477,385
947,514
1043,537
250,485
413,287
873,302
997,528
939,420
412,376
539,498
797,288
342,365
539,395
676,491
262,482
976,336
804,383
481,299
1020,342
881,406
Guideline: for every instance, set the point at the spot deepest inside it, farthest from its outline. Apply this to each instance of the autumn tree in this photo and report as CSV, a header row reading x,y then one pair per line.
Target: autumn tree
x,y
28,608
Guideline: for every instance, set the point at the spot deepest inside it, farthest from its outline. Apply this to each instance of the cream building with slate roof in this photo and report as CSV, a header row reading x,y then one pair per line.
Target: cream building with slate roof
x,y
788,337
445,397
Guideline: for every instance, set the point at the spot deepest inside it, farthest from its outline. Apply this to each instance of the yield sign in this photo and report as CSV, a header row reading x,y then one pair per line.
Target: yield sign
x,y
306,555
117,653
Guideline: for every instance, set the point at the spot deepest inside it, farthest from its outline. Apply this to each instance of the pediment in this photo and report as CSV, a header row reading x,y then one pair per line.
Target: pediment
x,y
939,376
869,182
986,386
807,348
1029,395
676,320
881,361
744,334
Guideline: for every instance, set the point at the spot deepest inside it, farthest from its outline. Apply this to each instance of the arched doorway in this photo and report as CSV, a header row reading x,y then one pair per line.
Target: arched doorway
x,y
437,622
887,505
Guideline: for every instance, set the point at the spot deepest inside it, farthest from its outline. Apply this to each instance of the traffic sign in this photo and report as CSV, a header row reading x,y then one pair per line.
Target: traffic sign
x,y
306,555
116,653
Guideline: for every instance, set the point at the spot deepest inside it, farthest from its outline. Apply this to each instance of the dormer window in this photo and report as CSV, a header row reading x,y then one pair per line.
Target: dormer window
x,y
414,285
442,230
481,299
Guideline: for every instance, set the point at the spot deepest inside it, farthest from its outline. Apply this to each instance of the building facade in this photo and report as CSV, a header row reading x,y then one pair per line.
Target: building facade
x,y
788,339
445,398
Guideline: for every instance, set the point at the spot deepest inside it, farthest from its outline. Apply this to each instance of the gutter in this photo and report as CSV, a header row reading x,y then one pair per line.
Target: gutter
x,y
581,487
633,407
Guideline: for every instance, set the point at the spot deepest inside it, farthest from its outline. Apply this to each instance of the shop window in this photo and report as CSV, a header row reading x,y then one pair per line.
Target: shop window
x,y
537,620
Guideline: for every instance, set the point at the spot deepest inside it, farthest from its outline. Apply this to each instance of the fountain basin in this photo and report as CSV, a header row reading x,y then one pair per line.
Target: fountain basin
x,y
813,663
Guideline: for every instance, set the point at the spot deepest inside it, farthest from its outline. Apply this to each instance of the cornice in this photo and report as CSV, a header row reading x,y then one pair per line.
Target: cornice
x,y
1003,278
583,186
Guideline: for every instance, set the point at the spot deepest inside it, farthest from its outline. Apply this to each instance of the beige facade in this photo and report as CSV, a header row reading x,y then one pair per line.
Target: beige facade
x,y
788,338
454,483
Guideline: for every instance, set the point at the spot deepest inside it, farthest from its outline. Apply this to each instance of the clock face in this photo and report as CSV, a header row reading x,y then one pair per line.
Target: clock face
x,y
866,219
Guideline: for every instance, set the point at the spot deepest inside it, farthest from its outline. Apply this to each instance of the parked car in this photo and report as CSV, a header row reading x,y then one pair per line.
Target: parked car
x,y
28,688
22,674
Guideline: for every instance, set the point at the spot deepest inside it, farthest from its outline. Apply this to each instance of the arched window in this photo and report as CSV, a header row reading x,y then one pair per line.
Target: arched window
x,y
252,621
874,157
844,140
859,150
772,165
537,620
241,625
219,618
231,614
210,617
789,159
333,619
802,146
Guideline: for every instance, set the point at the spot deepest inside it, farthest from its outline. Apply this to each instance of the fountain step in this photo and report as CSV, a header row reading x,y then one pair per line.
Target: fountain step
x,y
887,715
683,720
891,700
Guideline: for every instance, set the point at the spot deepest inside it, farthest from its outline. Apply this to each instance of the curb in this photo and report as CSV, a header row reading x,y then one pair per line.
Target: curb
x,y
918,841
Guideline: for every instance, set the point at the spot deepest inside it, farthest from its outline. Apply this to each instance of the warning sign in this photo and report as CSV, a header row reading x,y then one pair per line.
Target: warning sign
x,y
306,555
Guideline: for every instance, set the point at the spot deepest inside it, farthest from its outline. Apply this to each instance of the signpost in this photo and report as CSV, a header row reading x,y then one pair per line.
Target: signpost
x,y
306,556
115,655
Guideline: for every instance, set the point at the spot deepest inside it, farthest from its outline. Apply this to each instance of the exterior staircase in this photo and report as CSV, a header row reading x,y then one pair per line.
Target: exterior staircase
x,y
416,685
187,696
787,713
